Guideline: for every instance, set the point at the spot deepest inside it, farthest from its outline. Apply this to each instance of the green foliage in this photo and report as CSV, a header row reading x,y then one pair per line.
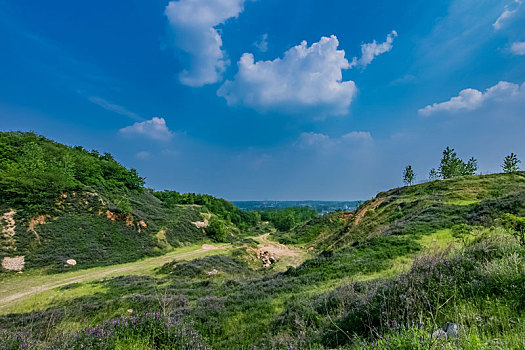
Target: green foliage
x,y
408,175
510,164
288,218
218,206
217,229
94,209
433,174
34,171
452,166
517,225
309,231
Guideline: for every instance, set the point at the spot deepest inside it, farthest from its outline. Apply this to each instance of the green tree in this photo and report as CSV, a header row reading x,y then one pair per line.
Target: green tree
x,y
217,229
510,164
433,174
408,175
452,166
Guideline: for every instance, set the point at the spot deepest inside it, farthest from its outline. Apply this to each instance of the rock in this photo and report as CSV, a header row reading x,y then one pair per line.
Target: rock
x,y
266,257
452,330
213,272
13,264
71,262
439,334
449,330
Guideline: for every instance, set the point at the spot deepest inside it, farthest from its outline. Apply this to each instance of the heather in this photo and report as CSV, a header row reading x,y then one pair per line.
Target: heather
x,y
438,265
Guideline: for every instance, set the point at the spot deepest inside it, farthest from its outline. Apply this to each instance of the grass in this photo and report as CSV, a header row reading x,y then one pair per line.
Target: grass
x,y
421,259
38,285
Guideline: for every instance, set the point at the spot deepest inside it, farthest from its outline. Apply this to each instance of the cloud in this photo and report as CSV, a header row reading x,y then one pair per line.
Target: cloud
x,y
262,44
308,79
518,48
471,99
322,142
114,108
194,23
370,51
506,15
155,129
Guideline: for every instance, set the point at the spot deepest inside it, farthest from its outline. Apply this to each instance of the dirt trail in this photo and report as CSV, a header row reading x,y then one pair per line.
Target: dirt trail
x,y
279,250
375,203
20,287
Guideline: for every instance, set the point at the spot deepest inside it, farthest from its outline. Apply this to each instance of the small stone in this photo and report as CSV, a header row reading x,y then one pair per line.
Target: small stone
x,y
439,334
452,330
71,262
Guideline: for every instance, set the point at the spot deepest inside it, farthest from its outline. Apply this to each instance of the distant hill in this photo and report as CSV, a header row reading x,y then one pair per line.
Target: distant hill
x,y
320,207
60,203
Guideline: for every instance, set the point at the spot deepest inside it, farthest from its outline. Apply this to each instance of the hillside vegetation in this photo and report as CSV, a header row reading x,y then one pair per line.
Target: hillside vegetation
x,y
439,265
60,203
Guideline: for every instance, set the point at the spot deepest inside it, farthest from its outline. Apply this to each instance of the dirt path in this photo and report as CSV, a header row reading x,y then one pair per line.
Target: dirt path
x,y
372,206
19,287
292,256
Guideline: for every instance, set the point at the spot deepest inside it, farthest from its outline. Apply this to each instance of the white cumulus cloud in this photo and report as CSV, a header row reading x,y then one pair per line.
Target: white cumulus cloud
x,y
471,99
518,48
155,129
373,49
308,79
506,14
194,25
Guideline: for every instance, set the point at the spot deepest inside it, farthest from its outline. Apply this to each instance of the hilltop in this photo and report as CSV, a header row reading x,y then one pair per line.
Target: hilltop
x,y
415,211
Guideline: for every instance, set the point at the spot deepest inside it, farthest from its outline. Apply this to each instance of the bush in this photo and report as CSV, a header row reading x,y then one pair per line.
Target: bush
x,y
217,229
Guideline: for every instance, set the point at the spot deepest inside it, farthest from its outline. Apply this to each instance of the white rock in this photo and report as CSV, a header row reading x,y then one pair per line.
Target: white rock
x,y
71,262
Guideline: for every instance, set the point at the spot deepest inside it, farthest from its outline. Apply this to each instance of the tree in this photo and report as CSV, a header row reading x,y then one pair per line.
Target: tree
x,y
408,175
510,164
452,166
433,174
217,229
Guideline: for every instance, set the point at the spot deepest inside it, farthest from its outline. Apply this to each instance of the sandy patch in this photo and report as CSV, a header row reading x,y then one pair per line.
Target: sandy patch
x,y
13,264
8,230
201,224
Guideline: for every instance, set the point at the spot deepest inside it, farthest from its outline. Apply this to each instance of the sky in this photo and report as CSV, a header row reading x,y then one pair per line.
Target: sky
x,y
268,99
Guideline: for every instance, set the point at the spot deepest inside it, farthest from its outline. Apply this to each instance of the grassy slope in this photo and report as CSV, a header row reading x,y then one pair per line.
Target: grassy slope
x,y
345,294
70,203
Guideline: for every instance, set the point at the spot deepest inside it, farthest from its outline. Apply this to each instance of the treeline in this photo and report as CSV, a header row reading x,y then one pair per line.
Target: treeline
x,y
288,218
34,171
452,166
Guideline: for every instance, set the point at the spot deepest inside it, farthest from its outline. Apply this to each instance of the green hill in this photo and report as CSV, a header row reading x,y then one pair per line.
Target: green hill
x,y
440,265
416,211
59,203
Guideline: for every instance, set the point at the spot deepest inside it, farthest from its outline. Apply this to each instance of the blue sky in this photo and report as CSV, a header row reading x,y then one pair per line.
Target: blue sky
x,y
247,100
